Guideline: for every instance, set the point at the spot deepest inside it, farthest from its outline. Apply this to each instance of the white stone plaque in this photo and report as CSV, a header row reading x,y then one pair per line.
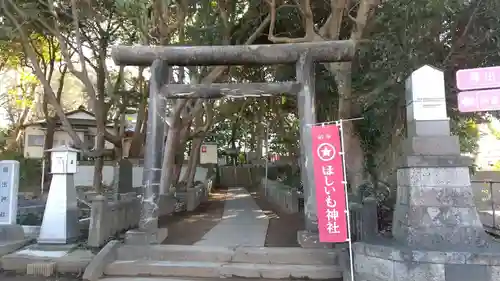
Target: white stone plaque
x,y
427,110
208,154
9,187
425,95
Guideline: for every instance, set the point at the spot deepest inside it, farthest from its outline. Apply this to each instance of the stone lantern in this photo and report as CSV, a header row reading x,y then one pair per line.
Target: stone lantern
x,y
60,219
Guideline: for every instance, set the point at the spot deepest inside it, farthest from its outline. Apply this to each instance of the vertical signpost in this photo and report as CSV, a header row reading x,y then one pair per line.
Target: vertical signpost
x,y
9,186
481,89
330,183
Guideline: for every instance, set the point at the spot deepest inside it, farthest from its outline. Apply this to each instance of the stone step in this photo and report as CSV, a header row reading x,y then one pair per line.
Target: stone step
x,y
128,278
221,270
260,255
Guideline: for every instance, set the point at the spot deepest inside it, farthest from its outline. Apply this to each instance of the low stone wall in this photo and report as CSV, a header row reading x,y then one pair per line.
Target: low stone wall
x,y
109,218
193,197
284,196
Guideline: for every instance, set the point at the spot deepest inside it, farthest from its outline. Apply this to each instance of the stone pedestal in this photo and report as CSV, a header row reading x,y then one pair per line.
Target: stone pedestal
x,y
435,209
436,233
387,260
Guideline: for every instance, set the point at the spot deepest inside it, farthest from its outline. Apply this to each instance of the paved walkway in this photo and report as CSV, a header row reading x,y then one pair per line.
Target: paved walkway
x,y
243,222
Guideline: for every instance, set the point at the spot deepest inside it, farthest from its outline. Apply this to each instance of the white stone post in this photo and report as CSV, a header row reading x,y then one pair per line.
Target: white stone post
x,y
9,187
60,219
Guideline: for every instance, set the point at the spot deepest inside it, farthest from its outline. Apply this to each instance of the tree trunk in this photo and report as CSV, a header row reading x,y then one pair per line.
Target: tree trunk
x,y
179,155
138,138
171,144
354,155
14,145
99,161
193,160
100,110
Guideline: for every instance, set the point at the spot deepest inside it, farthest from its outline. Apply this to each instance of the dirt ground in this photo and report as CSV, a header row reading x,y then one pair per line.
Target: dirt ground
x,y
187,228
283,227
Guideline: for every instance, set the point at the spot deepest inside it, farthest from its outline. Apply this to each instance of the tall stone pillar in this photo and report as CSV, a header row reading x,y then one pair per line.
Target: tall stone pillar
x,y
148,223
436,232
307,114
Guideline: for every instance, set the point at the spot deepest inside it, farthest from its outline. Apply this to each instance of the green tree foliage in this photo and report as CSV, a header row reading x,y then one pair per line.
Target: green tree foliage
x,y
400,37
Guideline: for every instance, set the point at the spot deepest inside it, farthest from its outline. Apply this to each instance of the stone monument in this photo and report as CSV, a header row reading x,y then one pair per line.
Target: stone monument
x,y
60,219
10,231
9,187
125,176
437,234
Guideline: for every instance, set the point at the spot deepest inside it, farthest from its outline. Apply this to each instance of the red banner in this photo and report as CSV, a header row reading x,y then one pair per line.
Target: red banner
x,y
329,181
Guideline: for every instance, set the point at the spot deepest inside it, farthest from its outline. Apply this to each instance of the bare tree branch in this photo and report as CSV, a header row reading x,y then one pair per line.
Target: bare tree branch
x,y
41,76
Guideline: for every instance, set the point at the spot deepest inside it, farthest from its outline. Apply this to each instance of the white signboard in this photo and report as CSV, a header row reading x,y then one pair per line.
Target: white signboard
x,y
208,154
9,186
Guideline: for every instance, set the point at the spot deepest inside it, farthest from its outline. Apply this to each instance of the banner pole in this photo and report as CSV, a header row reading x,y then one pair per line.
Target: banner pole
x,y
351,262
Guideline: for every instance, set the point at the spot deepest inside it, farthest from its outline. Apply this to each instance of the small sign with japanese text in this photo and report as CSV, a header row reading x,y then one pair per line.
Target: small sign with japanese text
x,y
329,182
9,185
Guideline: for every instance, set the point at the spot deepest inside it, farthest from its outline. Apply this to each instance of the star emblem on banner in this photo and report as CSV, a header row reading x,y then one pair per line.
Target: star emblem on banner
x,y
326,152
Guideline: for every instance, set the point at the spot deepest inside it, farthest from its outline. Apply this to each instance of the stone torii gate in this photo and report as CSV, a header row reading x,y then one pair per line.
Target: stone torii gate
x,y
161,58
